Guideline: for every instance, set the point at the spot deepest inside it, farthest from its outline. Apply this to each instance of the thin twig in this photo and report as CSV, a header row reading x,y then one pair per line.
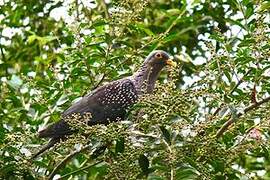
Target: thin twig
x,y
50,144
1,49
171,153
183,10
233,89
240,81
240,7
138,133
172,173
163,35
100,81
253,106
65,160
233,119
247,133
94,154
2,53
104,5
108,50
77,10
80,169
217,110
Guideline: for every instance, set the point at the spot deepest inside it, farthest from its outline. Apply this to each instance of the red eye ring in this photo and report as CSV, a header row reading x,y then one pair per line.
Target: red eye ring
x,y
158,55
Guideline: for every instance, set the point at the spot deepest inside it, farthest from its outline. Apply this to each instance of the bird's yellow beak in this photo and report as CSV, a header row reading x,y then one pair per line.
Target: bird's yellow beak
x,y
171,63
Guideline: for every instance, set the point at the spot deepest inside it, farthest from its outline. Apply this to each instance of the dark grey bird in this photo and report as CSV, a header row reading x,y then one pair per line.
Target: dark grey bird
x,y
110,102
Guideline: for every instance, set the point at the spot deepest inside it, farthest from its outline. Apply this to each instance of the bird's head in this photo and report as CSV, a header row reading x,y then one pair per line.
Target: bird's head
x,y
159,59
149,71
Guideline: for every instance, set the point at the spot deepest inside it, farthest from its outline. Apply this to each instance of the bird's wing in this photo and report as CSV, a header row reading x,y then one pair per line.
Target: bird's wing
x,y
105,104
106,99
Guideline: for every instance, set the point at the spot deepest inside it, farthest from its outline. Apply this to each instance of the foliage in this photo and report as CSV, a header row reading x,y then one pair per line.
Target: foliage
x,y
207,119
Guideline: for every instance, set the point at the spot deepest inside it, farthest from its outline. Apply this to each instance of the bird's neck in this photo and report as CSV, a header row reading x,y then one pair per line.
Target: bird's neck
x,y
145,78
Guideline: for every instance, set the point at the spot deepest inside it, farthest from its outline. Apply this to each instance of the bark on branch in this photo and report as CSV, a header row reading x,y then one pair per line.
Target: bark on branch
x,y
234,119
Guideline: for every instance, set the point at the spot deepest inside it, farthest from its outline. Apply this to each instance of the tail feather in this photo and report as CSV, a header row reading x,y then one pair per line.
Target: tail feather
x,y
50,144
57,130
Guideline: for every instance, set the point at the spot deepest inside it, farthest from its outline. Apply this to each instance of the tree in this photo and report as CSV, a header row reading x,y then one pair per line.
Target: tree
x,y
208,118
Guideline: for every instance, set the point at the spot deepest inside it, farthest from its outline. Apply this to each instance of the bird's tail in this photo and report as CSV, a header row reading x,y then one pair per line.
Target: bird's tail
x,y
50,144
57,130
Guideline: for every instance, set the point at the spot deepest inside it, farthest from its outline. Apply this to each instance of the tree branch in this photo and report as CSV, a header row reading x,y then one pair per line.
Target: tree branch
x,y
1,49
2,53
104,6
164,34
65,160
80,169
233,119
96,153
105,73
100,81
253,106
138,133
240,81
51,143
233,89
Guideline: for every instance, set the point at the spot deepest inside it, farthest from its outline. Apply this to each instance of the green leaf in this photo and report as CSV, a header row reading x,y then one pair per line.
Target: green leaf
x,y
63,98
218,166
155,177
246,2
266,152
120,145
15,82
191,162
44,40
166,134
265,6
186,173
31,39
249,12
173,12
144,163
145,29
236,22
228,75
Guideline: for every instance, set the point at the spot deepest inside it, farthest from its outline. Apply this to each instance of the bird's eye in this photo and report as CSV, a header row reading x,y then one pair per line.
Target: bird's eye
x,y
158,55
